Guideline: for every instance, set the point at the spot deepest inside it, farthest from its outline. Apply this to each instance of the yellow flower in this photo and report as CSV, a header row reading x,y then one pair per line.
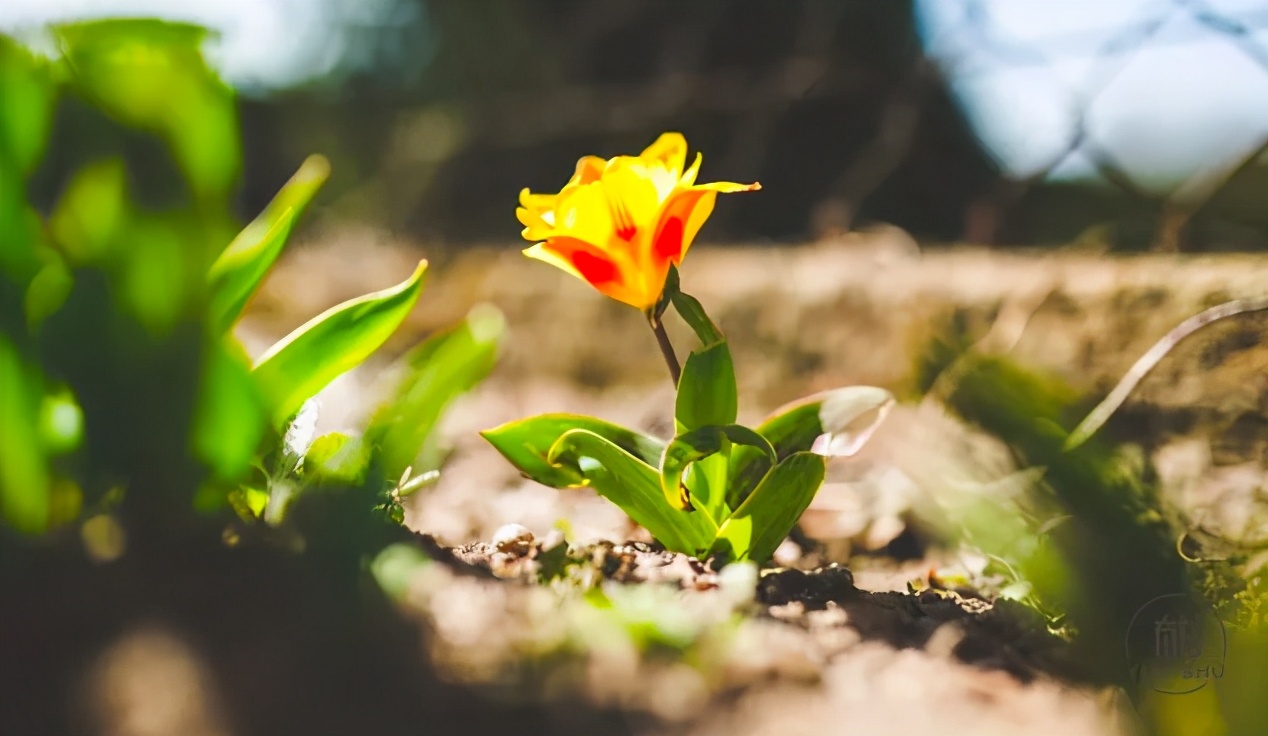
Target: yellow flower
x,y
618,224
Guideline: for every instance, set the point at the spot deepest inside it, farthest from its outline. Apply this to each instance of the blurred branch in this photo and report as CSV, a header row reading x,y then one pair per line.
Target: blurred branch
x,y
882,155
520,119
806,74
1192,195
1098,416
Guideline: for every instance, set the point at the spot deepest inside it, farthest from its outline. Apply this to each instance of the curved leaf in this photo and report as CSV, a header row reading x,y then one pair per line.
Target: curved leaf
x,y
695,445
437,372
527,442
832,423
242,266
633,486
692,312
762,522
335,458
849,416
335,341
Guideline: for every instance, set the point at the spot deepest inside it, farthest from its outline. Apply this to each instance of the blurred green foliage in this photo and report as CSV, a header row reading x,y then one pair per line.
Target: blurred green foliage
x,y
123,387
1082,535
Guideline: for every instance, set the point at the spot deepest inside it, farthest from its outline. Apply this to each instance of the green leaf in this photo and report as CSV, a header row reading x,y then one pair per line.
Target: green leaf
x,y
634,486
28,90
336,457
409,483
248,503
24,479
762,522
151,75
47,292
230,418
844,418
337,340
666,295
526,444
436,372
691,311
694,445
240,269
91,212
706,391
158,277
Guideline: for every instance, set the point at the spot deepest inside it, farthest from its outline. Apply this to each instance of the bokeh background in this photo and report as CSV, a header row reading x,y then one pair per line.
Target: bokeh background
x,y
1137,124
1044,137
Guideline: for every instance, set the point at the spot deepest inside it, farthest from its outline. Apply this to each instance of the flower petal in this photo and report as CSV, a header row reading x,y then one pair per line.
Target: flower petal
x,y
536,213
689,176
633,199
688,179
537,201
670,149
620,222
684,214
698,213
728,187
669,245
544,254
583,212
592,265
589,169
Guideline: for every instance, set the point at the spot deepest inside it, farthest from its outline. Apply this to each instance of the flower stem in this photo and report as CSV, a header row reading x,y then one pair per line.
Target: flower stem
x,y
666,348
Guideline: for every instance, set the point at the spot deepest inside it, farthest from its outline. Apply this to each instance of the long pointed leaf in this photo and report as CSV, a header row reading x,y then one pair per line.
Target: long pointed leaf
x,y
634,486
762,522
692,312
527,442
706,391
437,372
240,269
335,341
230,418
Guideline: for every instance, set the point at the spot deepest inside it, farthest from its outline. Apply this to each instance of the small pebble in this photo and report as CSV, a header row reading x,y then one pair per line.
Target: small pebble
x,y
513,538
787,553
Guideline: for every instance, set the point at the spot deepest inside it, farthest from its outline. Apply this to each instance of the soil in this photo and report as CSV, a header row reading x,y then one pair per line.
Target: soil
x,y
534,610
800,631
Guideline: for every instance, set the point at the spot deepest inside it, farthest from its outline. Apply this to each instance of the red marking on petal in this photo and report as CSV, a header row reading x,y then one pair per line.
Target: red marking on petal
x,y
668,244
595,269
622,220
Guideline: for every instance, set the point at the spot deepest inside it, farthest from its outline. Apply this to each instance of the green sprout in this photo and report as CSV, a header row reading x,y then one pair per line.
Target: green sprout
x,y
716,488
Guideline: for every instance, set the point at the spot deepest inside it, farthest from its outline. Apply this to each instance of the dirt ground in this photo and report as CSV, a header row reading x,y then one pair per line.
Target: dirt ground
x,y
832,638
